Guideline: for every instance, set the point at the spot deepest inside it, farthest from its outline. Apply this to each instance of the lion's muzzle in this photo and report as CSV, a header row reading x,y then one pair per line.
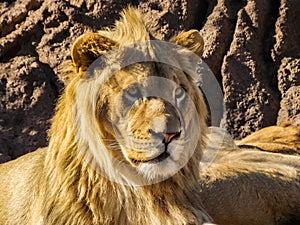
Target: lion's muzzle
x,y
157,124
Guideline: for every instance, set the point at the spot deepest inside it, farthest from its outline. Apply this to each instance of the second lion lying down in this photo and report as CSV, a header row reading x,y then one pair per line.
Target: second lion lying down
x,y
249,186
126,140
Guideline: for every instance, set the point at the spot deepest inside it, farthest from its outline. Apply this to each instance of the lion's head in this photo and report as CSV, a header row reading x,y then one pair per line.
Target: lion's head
x,y
137,106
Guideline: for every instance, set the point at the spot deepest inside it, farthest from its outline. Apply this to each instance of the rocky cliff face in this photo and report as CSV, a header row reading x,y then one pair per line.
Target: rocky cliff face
x,y
251,46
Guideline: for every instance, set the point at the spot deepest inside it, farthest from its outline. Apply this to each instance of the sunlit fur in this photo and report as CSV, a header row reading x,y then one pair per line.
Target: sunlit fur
x,y
284,139
62,185
251,186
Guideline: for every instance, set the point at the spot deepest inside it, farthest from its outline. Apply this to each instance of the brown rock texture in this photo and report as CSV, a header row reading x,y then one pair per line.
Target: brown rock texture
x,y
251,46
289,86
290,106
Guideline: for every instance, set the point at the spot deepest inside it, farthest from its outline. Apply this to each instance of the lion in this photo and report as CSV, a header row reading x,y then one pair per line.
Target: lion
x,y
118,153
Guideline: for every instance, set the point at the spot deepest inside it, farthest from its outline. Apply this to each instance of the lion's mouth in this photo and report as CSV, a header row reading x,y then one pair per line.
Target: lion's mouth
x,y
157,159
154,156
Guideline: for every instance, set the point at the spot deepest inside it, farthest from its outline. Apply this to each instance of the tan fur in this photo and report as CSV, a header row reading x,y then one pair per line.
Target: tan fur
x,y
250,186
284,139
60,185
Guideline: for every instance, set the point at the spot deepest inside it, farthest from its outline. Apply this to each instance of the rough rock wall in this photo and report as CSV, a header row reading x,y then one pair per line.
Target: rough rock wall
x,y
252,46
253,49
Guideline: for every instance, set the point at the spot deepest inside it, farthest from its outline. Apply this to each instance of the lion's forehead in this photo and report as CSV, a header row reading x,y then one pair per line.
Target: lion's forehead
x,y
140,72
148,108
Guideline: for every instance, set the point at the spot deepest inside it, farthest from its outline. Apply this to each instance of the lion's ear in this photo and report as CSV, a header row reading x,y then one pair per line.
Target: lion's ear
x,y
87,48
191,40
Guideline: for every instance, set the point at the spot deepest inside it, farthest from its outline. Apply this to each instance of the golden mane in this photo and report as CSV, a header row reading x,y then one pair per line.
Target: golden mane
x,y
131,28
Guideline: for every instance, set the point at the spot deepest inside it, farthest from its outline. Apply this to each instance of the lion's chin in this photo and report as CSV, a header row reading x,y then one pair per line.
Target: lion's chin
x,y
158,170
162,166
155,164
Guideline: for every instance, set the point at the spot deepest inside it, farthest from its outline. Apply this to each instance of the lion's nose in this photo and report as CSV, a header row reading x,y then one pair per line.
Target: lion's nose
x,y
165,137
168,137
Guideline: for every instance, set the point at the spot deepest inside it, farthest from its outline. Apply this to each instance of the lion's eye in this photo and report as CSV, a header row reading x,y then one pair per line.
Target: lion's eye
x,y
133,93
180,93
